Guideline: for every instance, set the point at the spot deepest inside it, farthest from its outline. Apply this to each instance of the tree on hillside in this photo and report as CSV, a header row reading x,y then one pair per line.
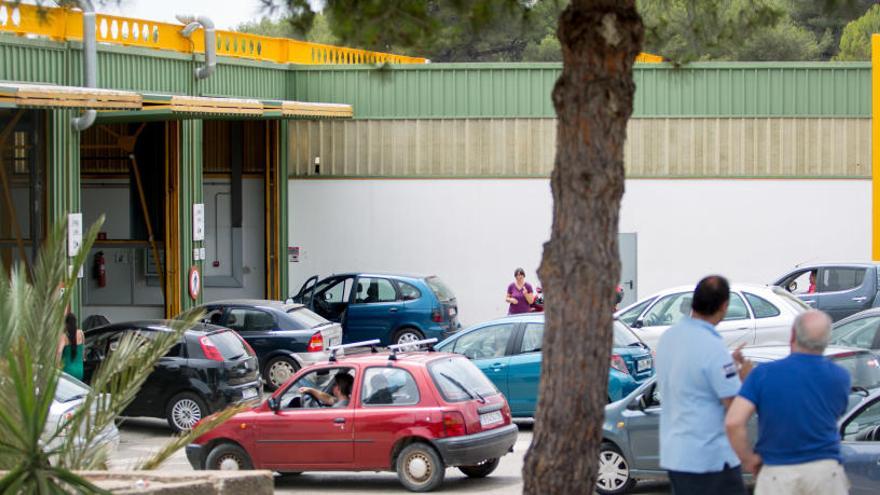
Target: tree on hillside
x,y
855,43
827,18
319,32
593,98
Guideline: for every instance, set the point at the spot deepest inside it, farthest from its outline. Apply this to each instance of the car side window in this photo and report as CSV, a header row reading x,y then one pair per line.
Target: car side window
x,y
213,315
389,387
865,426
631,315
532,338
320,379
839,279
408,292
761,307
249,320
799,282
334,290
485,343
374,290
669,310
736,310
859,333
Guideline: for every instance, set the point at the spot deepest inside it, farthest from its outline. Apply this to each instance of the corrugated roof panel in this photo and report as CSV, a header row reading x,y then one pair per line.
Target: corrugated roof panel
x,y
773,89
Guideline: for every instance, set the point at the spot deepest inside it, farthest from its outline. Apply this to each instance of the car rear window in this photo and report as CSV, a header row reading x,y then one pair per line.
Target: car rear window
x,y
459,380
305,318
789,299
229,344
863,367
623,336
440,289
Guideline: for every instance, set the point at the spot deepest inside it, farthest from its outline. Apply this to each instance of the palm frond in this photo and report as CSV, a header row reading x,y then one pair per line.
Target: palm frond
x,y
184,439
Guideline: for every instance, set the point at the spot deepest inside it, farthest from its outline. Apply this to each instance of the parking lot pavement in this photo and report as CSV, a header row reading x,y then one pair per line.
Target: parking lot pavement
x,y
141,437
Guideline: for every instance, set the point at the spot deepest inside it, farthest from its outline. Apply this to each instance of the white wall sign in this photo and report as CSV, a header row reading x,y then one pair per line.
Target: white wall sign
x,y
74,233
198,222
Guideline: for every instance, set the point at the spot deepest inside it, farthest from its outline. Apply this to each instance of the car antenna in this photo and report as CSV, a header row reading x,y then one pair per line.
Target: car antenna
x,y
414,346
336,348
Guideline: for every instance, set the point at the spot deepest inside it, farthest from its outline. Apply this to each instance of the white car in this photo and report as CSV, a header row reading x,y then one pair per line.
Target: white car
x,y
69,396
757,314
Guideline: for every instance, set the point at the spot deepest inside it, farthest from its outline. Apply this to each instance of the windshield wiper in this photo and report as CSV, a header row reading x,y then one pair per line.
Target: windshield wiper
x,y
75,397
463,388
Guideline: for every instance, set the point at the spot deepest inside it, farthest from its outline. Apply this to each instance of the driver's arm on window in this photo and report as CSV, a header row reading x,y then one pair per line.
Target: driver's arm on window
x,y
323,397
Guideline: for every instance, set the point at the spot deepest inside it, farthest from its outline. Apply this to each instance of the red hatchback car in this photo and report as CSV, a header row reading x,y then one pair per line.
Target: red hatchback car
x,y
415,413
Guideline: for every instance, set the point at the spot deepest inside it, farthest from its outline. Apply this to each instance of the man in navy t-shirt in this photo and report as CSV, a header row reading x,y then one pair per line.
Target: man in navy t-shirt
x,y
798,400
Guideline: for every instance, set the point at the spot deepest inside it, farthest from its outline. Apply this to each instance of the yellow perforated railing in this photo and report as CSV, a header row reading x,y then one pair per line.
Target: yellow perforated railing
x,y
63,24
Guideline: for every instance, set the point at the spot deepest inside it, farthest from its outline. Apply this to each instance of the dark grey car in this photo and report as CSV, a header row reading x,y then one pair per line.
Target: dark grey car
x,y
841,289
630,449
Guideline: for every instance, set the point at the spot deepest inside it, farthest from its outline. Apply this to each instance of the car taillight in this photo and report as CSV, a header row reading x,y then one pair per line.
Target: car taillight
x,y
437,316
453,424
316,343
619,364
210,350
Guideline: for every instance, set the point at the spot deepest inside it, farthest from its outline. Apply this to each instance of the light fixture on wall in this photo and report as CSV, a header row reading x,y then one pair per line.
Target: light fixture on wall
x,y
317,165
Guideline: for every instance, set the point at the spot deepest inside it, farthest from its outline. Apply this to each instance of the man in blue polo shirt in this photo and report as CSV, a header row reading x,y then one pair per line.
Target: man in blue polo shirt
x,y
698,378
798,400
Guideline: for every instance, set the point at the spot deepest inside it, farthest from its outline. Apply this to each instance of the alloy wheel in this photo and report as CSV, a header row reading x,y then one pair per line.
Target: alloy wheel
x,y
186,413
408,338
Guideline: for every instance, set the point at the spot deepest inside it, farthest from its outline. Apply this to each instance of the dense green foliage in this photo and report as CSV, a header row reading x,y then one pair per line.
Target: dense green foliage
x,y
855,43
511,30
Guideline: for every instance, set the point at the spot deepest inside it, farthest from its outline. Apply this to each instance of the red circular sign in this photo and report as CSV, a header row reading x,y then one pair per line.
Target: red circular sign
x,y
195,283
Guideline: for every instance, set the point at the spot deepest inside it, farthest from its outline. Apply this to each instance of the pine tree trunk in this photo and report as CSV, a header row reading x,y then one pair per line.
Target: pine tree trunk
x,y
594,99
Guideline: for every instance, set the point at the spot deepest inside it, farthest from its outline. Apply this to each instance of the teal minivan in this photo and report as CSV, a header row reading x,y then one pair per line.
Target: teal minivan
x,y
508,351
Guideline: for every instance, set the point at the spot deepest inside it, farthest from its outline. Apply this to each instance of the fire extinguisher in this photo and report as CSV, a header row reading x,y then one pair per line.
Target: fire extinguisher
x,y
100,269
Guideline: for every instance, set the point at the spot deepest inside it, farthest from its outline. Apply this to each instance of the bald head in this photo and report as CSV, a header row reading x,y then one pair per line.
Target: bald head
x,y
812,330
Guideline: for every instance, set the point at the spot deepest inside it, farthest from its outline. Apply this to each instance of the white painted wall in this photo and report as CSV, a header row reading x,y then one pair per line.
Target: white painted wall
x,y
218,245
473,233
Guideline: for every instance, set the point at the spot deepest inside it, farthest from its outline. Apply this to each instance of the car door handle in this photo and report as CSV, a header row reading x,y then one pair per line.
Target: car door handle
x,y
339,421
498,366
810,303
392,310
860,299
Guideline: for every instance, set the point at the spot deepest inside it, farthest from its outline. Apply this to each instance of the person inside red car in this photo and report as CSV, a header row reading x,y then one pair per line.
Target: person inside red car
x,y
342,383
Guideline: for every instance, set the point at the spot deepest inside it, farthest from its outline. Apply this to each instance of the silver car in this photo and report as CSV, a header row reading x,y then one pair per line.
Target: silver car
x,y
69,396
757,314
630,449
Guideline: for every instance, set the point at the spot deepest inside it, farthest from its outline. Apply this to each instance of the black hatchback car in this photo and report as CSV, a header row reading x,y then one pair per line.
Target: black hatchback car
x,y
208,369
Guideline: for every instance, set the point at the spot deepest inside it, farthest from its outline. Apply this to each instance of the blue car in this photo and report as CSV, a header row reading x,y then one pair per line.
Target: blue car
x,y
396,309
508,351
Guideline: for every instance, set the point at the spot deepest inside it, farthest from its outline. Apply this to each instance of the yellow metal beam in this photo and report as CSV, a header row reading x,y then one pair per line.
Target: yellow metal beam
x,y
875,146
63,24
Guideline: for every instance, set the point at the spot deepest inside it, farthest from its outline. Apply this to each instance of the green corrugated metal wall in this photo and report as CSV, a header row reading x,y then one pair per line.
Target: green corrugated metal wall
x,y
523,90
773,89
138,69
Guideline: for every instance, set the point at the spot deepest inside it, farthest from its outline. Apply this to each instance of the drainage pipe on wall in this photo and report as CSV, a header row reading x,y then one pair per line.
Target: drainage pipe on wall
x,y
192,23
90,61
